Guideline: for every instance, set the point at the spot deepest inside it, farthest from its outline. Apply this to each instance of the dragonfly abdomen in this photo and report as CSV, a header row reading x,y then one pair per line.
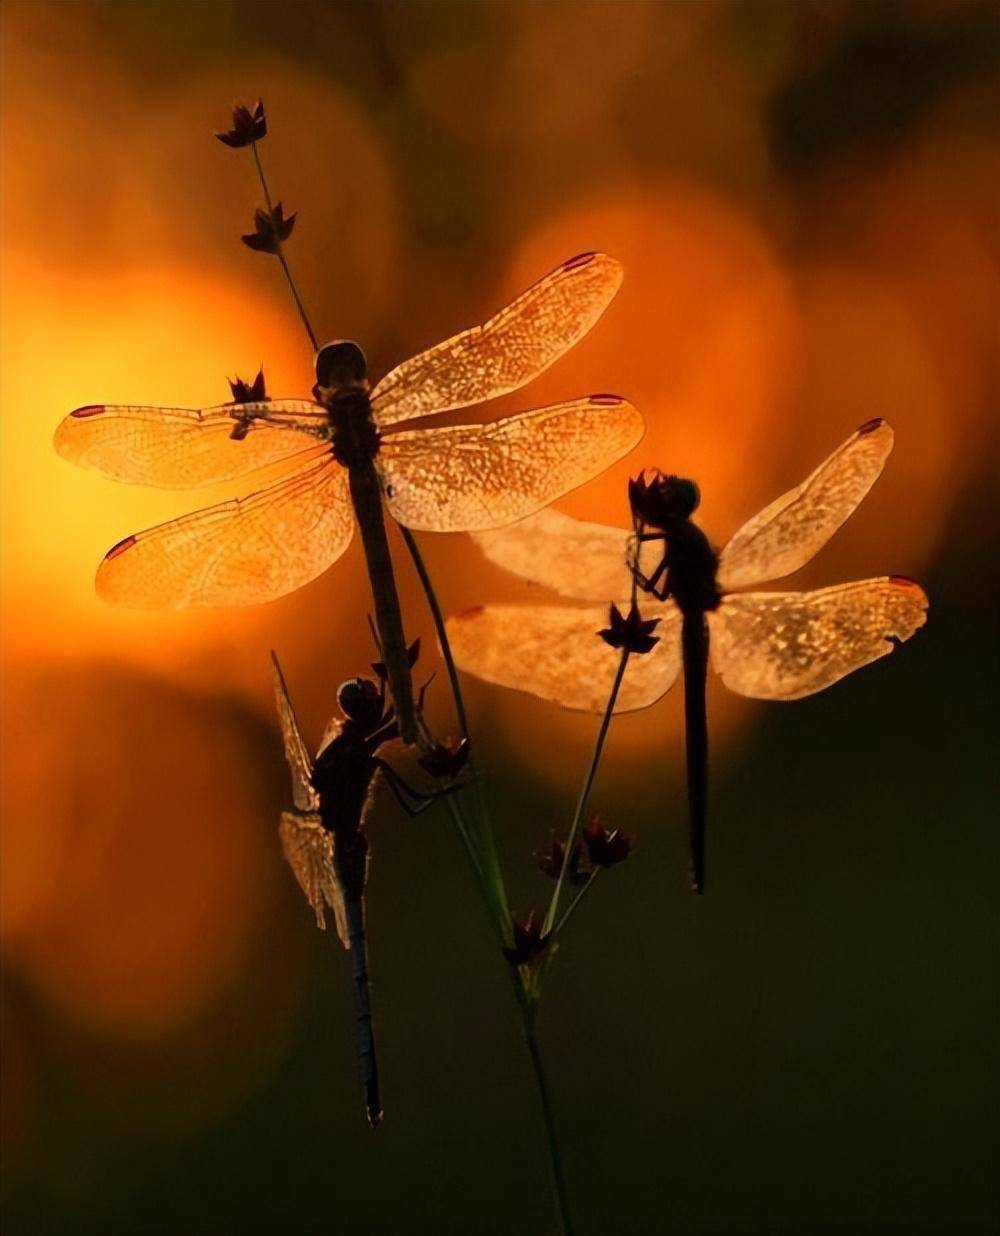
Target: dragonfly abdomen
x,y
694,644
364,1028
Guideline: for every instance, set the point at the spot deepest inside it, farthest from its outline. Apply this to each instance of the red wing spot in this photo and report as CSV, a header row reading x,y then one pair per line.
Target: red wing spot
x,y
91,409
870,426
120,548
581,259
606,401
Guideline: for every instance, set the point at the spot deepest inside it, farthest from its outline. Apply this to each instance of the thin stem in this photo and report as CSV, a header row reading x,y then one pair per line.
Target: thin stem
x,y
490,861
559,1191
440,628
280,254
575,902
588,785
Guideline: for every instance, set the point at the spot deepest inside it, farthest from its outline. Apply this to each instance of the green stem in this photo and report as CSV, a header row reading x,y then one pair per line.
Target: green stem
x,y
280,254
575,902
588,785
440,628
489,860
559,1190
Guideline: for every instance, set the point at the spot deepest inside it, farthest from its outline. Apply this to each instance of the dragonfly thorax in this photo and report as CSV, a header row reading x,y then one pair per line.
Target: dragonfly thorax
x,y
692,564
353,431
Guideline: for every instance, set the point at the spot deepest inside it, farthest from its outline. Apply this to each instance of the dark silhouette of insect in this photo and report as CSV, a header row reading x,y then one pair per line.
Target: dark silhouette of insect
x,y
767,645
323,837
346,449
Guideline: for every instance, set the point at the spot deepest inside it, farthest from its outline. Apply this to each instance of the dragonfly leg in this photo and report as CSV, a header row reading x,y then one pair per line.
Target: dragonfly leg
x,y
413,801
648,583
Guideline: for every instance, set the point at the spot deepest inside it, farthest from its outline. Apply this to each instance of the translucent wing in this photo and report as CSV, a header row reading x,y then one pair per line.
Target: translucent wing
x,y
506,352
182,448
554,652
786,534
308,849
296,752
240,552
784,645
588,562
466,478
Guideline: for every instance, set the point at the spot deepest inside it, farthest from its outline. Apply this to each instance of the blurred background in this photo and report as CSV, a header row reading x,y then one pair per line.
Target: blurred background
x,y
804,195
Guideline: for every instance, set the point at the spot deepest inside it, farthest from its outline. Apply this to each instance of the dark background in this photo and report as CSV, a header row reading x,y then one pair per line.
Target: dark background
x,y
804,198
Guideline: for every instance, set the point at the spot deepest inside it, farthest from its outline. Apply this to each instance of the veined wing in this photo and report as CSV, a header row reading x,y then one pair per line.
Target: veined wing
x,y
589,562
240,552
554,652
296,752
182,448
786,534
506,352
784,645
467,478
308,849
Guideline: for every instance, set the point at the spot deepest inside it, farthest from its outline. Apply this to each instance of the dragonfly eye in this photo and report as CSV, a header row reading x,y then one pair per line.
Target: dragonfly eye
x,y
360,701
665,500
340,364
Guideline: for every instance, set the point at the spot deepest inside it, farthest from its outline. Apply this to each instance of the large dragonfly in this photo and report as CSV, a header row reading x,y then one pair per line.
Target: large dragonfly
x,y
341,452
323,837
767,645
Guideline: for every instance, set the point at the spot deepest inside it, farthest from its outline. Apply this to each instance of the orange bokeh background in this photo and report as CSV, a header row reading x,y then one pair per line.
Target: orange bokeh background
x,y
763,317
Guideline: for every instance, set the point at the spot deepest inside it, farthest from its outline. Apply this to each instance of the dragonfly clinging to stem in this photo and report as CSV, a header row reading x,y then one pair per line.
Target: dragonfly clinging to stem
x,y
767,645
323,837
342,452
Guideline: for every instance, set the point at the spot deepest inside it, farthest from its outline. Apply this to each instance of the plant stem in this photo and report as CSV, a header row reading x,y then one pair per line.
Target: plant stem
x,y
575,902
280,254
559,1191
442,632
588,785
489,861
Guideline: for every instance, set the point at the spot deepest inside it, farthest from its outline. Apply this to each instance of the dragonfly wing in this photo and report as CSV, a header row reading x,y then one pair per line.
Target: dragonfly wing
x,y
296,752
785,645
182,448
468,478
585,561
308,849
240,552
786,534
554,652
506,352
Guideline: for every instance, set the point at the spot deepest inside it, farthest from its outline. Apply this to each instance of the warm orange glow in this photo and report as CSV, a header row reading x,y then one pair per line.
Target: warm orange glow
x,y
160,336
702,333
127,886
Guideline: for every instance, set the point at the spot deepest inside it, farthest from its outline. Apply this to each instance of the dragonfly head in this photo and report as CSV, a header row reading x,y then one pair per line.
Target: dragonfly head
x,y
361,701
663,500
341,365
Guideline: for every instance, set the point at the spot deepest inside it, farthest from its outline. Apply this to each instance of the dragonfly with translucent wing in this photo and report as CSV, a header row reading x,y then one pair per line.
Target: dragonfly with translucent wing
x,y
339,454
323,837
766,645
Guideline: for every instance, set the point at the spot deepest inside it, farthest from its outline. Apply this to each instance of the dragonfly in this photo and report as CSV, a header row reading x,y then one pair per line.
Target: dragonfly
x,y
343,452
765,645
323,837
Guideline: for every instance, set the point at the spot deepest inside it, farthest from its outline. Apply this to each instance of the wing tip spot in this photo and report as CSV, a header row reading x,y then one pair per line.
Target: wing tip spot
x,y
120,548
472,612
606,400
580,260
870,426
90,409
